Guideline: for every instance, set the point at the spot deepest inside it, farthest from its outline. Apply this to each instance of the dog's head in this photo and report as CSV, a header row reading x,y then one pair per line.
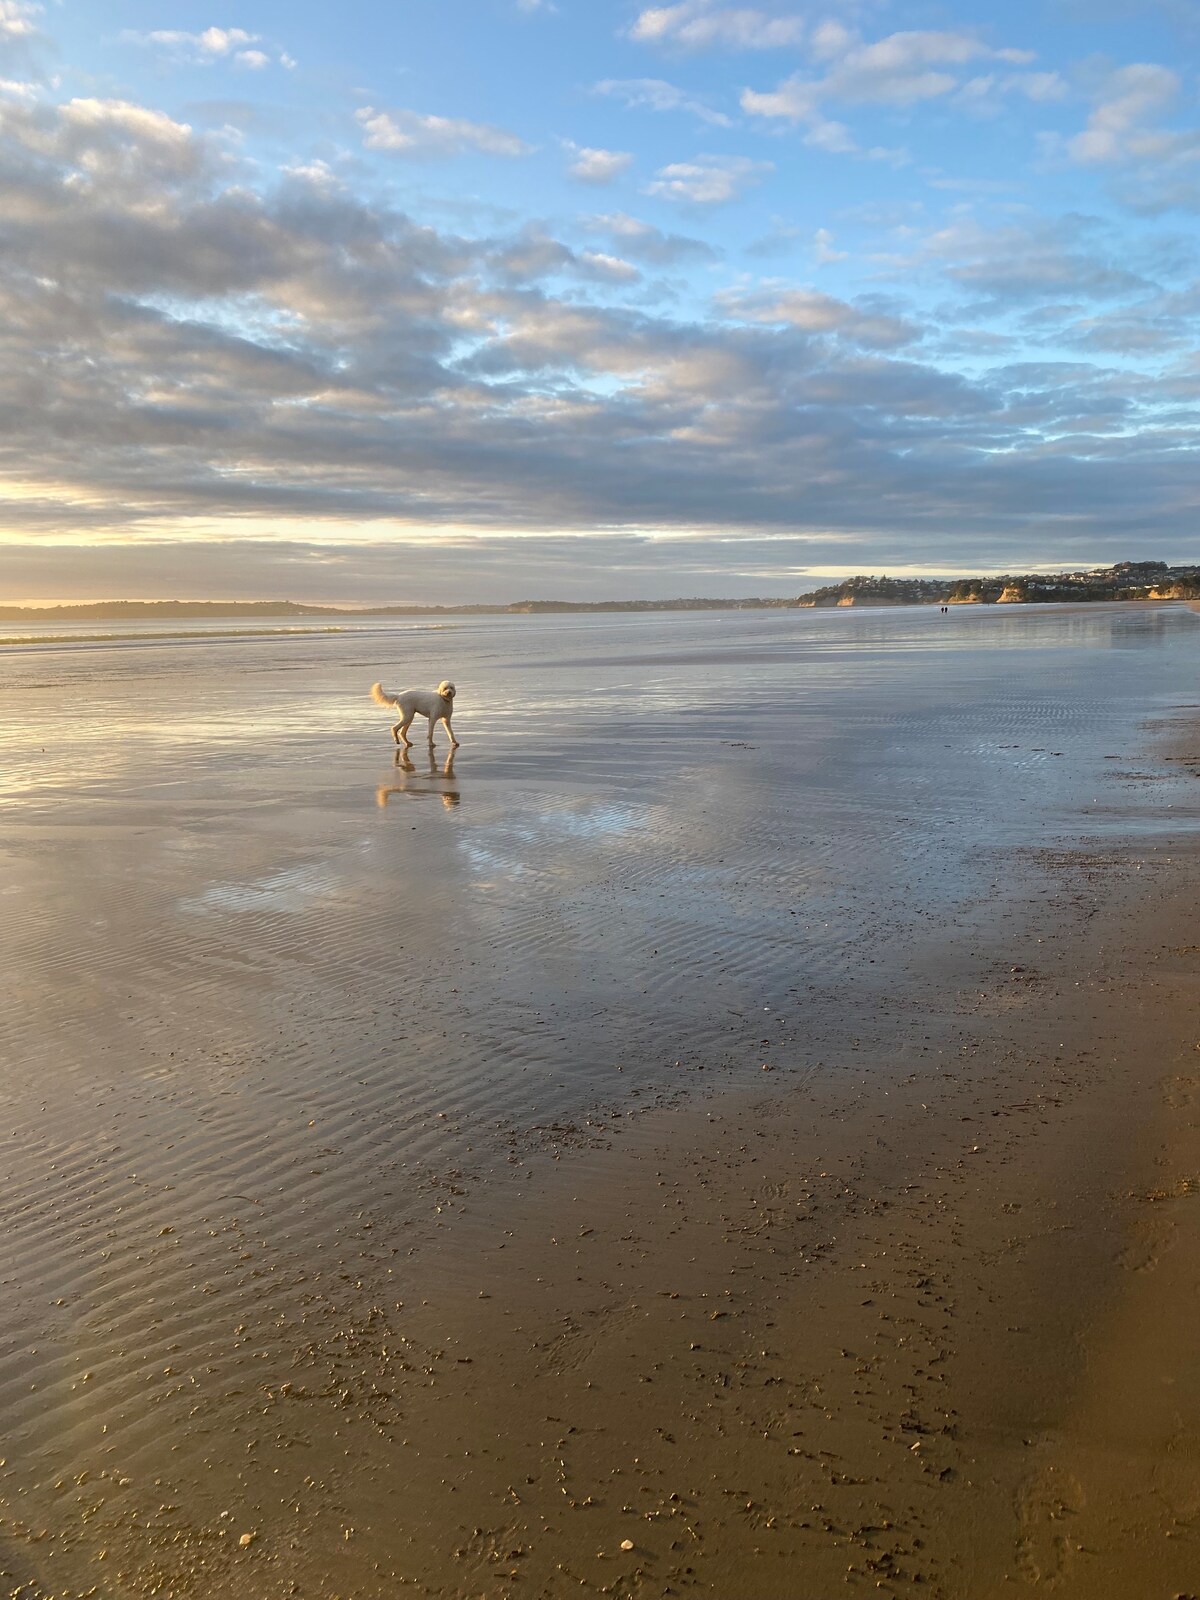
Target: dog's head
x,y
446,689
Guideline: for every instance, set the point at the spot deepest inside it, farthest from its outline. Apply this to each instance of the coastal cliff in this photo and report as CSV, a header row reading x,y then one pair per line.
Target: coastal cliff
x,y
1128,580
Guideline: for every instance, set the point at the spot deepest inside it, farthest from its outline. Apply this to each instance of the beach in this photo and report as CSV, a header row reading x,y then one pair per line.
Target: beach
x,y
733,1129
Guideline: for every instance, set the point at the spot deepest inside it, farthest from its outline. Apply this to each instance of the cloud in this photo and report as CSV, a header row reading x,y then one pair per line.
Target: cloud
x,y
234,45
1050,270
534,254
1144,331
1120,127
409,133
644,242
702,24
108,147
316,172
814,312
989,94
900,71
1151,167
708,180
188,348
22,43
823,248
605,268
655,94
207,46
781,240
16,19
589,165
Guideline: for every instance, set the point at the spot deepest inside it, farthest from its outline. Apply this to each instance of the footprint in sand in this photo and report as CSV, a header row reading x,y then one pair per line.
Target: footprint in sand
x,y
1147,1241
1045,1504
576,1344
1174,1481
1180,1091
776,1191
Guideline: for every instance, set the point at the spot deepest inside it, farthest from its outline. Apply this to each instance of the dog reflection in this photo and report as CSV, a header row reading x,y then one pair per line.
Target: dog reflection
x,y
418,783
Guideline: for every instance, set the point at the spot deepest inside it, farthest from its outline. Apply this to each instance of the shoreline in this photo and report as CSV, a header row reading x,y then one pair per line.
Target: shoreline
x,y
135,612
138,635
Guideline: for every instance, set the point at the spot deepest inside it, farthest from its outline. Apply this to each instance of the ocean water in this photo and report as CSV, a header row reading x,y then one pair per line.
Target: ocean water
x,y
267,978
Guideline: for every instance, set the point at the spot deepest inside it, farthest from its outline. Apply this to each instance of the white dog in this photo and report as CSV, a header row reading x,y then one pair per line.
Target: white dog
x,y
436,704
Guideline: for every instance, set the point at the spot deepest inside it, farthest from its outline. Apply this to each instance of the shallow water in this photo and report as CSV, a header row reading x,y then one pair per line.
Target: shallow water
x,y
269,983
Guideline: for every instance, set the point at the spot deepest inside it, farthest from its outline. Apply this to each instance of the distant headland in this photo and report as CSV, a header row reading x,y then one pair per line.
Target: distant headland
x,y
1128,580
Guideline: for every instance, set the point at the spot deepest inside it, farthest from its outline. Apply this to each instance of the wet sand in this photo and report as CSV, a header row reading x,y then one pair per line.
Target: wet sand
x,y
777,1162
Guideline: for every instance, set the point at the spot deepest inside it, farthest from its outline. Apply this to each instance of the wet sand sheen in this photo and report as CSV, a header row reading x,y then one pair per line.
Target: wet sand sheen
x,y
396,1182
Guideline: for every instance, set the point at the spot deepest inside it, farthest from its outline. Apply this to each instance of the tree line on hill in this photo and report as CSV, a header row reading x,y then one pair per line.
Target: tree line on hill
x,y
1128,580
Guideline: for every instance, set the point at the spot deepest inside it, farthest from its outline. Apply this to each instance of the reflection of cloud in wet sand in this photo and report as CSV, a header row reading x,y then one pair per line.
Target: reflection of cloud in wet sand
x,y
418,784
292,889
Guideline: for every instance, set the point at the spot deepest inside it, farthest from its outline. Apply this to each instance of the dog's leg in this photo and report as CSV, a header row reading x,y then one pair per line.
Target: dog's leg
x,y
450,731
400,732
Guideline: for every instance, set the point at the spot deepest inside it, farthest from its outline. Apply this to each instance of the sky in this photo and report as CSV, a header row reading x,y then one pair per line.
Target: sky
x,y
483,300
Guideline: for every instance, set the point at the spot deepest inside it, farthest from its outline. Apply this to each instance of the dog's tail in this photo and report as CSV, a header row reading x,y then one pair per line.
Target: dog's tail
x,y
381,697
